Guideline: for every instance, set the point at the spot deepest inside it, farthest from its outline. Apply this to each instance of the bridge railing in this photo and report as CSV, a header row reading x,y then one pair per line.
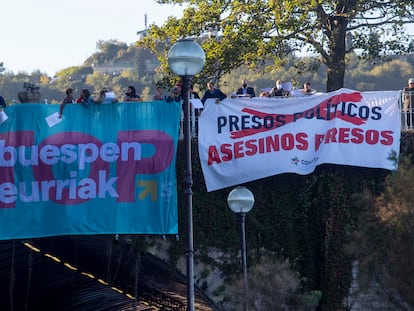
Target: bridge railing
x,y
163,302
406,103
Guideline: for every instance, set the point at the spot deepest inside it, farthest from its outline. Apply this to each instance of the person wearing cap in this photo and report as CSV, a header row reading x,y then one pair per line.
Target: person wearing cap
x,y
67,100
213,92
409,101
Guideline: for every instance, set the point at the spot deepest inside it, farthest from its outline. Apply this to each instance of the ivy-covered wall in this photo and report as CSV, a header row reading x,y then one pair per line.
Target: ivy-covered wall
x,y
308,219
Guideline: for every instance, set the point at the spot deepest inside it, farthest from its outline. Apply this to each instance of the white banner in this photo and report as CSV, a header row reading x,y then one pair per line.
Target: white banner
x,y
241,140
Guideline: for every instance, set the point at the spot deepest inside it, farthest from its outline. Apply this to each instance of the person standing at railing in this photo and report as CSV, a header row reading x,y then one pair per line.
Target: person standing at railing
x,y
193,94
213,92
278,90
408,101
85,98
69,99
245,90
2,102
159,94
175,95
106,97
131,95
307,89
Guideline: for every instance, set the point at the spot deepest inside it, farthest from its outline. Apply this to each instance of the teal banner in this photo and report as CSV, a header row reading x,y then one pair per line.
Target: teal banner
x,y
103,169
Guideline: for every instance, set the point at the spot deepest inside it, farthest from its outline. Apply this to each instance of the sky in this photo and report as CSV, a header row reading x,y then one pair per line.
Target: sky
x,y
51,35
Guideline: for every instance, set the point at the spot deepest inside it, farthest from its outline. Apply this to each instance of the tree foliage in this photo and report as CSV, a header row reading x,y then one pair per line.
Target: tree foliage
x,y
273,285
107,52
306,219
141,69
383,243
262,33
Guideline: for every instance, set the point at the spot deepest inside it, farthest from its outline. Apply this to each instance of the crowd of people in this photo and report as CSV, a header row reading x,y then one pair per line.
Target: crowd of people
x,y
105,97
286,89
85,98
280,89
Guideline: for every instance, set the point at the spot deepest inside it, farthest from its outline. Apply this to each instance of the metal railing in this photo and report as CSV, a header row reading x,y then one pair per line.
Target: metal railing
x,y
194,113
162,301
406,103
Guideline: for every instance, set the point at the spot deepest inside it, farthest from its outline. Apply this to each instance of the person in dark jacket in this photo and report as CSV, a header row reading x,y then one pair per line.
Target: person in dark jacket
x,y
131,95
213,92
175,95
246,90
2,102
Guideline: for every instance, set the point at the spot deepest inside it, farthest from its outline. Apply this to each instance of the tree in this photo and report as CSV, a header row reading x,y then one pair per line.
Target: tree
x,y
108,51
383,243
264,32
273,285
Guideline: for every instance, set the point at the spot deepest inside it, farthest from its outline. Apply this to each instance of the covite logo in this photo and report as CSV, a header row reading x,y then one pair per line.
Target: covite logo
x,y
296,161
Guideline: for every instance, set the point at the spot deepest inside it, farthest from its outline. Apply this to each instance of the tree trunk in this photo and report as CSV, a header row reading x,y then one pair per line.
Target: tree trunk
x,y
335,61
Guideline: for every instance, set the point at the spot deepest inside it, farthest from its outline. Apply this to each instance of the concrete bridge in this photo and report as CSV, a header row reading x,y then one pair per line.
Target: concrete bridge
x,y
88,273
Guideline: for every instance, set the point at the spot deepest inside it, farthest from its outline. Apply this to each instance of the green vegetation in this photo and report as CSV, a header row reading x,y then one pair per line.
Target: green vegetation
x,y
306,219
115,65
273,285
138,66
260,34
314,226
318,222
383,243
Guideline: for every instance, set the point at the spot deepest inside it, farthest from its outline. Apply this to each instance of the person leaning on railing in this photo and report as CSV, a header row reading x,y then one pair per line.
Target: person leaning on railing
x,y
67,100
278,90
408,100
175,95
131,95
85,98
246,90
213,92
159,94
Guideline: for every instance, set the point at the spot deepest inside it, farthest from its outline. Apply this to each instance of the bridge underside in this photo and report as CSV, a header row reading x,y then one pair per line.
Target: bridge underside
x,y
85,273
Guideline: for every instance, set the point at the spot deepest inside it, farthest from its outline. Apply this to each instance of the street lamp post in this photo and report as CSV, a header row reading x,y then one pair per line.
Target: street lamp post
x,y
241,201
186,58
